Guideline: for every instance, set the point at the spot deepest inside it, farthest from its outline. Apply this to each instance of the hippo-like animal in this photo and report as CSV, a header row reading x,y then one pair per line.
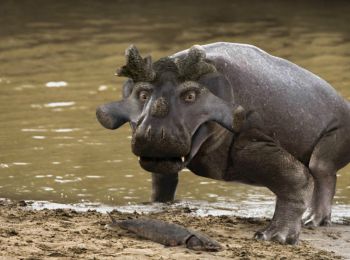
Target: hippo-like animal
x,y
233,112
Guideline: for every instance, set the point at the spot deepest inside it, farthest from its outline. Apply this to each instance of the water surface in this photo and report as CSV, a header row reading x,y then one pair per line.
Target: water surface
x,y
57,60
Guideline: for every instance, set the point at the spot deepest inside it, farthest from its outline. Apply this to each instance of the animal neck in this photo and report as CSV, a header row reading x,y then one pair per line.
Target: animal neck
x,y
212,158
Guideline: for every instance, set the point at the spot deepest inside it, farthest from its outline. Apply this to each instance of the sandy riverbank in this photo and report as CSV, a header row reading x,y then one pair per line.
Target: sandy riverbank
x,y
67,234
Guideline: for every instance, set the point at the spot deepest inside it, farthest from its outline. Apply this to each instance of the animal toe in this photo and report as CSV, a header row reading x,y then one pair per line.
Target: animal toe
x,y
279,237
316,220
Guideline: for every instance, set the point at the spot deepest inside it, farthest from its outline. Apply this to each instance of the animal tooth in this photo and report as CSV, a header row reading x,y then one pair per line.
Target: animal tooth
x,y
139,158
183,159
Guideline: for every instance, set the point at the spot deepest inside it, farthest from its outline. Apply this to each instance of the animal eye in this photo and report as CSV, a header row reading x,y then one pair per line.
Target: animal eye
x,y
143,95
190,96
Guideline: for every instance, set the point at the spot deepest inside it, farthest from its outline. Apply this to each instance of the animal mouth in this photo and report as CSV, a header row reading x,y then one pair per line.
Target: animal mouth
x,y
170,165
155,159
162,165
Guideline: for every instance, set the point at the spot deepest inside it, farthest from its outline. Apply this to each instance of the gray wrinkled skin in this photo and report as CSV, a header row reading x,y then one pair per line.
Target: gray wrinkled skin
x,y
255,119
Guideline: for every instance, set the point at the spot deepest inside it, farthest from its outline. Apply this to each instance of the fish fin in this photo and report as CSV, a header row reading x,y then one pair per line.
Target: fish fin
x,y
201,242
112,218
187,238
194,243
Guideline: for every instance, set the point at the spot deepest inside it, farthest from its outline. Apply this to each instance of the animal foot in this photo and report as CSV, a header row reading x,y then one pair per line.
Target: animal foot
x,y
317,219
273,234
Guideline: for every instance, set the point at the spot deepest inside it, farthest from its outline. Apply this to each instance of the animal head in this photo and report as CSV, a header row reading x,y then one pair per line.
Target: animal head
x,y
169,105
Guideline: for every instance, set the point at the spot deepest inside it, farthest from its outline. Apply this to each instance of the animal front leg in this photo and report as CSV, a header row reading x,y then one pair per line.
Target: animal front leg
x,y
164,187
285,225
257,157
293,185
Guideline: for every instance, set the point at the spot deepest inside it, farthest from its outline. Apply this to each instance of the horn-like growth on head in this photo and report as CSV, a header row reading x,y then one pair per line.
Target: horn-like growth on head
x,y
137,68
165,64
194,64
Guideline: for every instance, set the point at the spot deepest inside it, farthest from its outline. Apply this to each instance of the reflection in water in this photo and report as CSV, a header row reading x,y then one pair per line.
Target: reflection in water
x,y
33,130
57,84
38,137
20,163
57,64
64,130
60,104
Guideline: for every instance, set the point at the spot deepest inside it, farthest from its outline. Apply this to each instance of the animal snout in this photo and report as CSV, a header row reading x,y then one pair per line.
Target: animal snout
x,y
151,133
111,116
159,141
104,117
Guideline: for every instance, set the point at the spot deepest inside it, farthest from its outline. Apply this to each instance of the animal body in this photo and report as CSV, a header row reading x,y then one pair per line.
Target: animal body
x,y
233,112
165,233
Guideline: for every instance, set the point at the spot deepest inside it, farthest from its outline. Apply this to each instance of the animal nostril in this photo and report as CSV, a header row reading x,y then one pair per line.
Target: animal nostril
x,y
140,120
148,132
162,133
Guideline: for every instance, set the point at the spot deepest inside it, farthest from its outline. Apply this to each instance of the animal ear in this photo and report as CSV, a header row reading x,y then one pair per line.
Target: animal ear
x,y
127,88
136,67
194,64
218,85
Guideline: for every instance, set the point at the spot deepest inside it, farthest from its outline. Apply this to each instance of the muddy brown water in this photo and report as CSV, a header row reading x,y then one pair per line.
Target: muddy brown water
x,y
57,60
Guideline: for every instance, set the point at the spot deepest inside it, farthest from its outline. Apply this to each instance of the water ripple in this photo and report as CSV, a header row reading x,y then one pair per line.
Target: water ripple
x,y
65,130
60,179
4,165
60,104
20,163
38,137
56,84
33,130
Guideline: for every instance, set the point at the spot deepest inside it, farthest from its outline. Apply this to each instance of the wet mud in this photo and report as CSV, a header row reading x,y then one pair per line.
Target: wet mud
x,y
68,234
